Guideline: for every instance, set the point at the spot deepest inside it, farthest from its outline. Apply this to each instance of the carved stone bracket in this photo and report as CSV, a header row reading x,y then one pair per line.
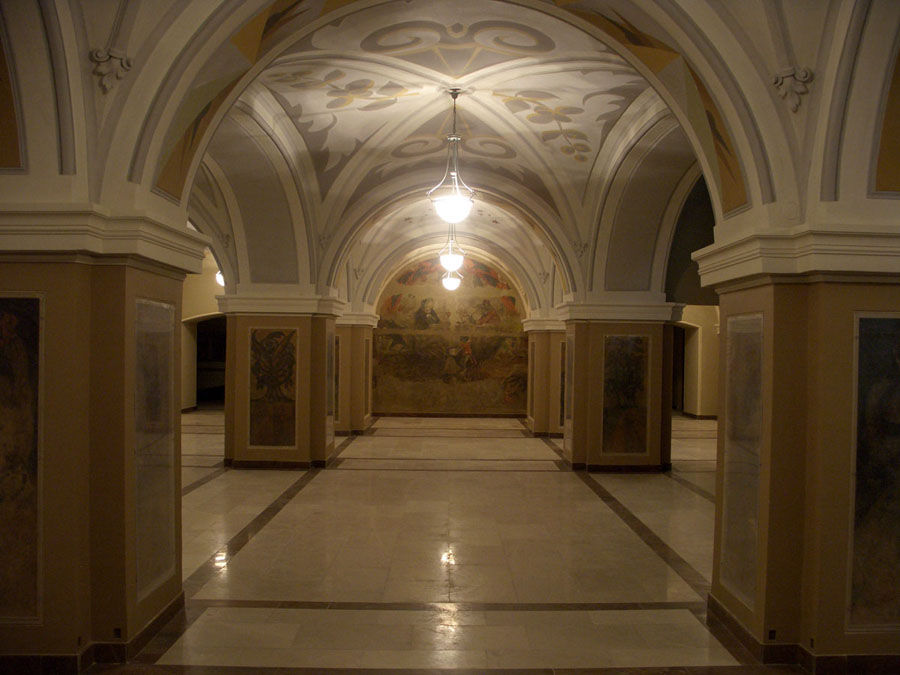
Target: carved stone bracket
x,y
110,65
791,84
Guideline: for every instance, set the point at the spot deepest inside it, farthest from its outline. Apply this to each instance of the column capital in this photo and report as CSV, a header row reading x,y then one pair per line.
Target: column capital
x,y
278,303
84,228
801,250
358,319
621,306
530,325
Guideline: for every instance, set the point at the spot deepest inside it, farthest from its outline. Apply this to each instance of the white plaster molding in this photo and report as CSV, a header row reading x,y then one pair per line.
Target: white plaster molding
x,y
800,252
102,234
529,325
358,319
247,303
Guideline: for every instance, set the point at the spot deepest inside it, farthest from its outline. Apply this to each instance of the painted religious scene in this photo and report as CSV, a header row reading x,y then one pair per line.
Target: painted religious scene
x,y
273,386
154,452
743,439
19,527
460,352
875,584
625,365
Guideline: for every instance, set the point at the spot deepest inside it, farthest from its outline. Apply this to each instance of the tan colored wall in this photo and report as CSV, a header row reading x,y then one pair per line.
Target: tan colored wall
x,y
200,291
355,381
701,359
544,381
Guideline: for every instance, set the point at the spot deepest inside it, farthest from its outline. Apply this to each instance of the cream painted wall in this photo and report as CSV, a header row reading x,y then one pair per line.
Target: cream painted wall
x,y
701,359
198,300
200,291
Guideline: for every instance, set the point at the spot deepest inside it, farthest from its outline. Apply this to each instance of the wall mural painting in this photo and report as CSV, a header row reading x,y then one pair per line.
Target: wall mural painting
x,y
20,320
154,452
743,438
625,372
273,386
875,585
442,352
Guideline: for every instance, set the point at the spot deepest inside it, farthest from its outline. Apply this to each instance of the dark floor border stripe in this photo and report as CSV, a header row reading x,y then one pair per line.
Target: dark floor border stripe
x,y
682,567
515,434
203,481
617,670
445,459
214,565
464,606
696,489
350,468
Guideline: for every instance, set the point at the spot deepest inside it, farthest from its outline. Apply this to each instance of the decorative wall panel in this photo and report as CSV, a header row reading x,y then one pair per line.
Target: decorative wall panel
x,y
625,372
154,433
743,438
273,386
450,352
20,349
875,584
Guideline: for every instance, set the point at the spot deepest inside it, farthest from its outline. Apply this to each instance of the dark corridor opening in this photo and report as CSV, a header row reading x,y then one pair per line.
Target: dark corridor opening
x,y
211,362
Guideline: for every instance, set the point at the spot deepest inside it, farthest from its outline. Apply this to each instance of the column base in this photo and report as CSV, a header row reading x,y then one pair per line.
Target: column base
x,y
818,664
98,652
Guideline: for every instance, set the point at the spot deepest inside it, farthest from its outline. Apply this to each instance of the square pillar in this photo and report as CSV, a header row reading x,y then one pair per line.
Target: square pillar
x,y
618,412
807,519
91,437
279,390
546,355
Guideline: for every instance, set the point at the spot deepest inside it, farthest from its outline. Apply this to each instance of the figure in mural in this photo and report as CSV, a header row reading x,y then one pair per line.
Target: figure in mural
x,y
460,362
488,316
440,352
876,549
425,316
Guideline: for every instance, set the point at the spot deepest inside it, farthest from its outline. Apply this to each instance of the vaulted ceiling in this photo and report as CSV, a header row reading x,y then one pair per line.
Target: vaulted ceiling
x,y
320,167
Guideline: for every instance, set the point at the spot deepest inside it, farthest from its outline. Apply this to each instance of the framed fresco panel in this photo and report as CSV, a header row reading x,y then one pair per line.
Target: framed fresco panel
x,y
874,584
625,386
273,387
741,462
20,479
154,431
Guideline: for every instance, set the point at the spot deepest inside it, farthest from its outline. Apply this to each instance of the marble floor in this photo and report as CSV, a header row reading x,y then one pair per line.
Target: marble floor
x,y
434,543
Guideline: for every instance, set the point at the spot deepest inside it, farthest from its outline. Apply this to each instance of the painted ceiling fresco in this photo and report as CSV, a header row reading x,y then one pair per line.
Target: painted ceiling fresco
x,y
367,96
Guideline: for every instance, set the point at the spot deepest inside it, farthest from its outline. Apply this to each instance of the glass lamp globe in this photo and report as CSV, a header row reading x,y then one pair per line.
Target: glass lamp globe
x,y
451,255
451,281
453,208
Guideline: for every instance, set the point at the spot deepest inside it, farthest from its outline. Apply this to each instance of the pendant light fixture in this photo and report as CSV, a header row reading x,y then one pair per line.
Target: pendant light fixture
x,y
451,280
452,198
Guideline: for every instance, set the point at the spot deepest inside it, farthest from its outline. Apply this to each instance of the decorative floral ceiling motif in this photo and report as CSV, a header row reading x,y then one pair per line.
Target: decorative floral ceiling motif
x,y
367,95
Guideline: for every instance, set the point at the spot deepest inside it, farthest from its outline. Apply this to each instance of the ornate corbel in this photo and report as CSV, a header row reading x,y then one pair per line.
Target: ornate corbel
x,y
112,63
791,84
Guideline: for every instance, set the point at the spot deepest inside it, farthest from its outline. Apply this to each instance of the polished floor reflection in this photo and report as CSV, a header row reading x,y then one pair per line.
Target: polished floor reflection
x,y
446,543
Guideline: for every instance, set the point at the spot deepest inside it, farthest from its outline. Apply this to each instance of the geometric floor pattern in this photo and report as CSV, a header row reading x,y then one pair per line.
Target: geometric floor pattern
x,y
451,544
